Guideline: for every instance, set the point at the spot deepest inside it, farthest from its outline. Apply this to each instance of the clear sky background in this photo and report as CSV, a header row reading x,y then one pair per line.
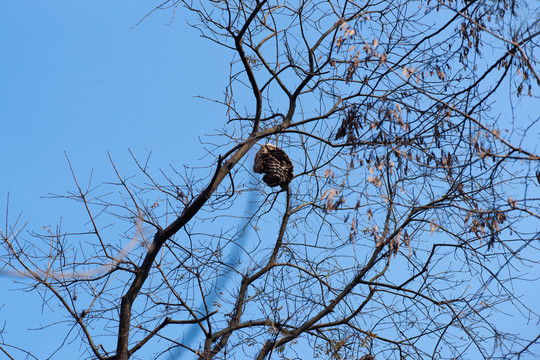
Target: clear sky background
x,y
79,78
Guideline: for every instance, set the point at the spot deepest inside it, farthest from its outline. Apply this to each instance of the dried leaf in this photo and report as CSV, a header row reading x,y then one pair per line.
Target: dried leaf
x,y
433,226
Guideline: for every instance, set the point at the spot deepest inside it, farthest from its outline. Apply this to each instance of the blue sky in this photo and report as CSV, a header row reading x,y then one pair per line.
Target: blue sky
x,y
78,78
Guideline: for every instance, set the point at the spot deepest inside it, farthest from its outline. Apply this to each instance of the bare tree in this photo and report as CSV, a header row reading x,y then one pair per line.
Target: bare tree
x,y
411,220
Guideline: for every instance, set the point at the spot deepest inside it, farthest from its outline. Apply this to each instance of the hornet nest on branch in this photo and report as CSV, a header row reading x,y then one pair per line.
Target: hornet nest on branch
x,y
275,164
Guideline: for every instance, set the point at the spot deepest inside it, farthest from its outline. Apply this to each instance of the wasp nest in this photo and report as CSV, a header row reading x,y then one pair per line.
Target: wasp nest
x,y
275,164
